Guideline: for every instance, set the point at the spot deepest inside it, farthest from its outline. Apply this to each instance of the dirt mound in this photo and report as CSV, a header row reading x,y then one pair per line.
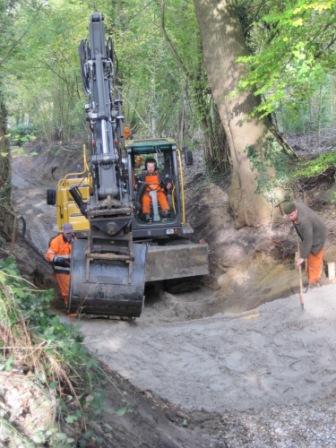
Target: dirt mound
x,y
249,266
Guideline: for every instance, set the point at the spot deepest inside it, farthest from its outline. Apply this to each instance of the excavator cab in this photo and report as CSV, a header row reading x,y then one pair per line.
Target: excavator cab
x,y
166,215
162,198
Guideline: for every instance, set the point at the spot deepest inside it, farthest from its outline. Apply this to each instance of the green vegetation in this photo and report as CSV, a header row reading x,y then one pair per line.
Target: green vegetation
x,y
290,68
288,171
22,134
311,114
159,65
292,51
314,167
43,85
271,160
35,342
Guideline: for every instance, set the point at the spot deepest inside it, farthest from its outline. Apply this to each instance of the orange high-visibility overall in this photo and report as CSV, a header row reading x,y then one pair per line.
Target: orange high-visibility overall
x,y
60,247
315,266
153,184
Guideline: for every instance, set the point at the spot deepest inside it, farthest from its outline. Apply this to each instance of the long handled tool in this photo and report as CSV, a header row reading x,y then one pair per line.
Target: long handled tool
x,y
301,288
300,276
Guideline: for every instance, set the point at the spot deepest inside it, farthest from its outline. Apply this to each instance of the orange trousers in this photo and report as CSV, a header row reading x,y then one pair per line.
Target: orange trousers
x,y
147,202
315,267
63,282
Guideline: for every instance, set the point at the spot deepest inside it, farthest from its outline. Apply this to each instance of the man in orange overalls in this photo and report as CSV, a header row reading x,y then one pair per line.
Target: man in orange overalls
x,y
59,253
152,182
312,233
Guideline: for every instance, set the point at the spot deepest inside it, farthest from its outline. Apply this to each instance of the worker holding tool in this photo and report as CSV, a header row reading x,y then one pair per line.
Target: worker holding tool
x,y
58,254
312,234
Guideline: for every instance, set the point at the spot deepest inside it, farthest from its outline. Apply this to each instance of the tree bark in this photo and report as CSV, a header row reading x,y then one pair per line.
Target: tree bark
x,y
216,148
223,42
4,156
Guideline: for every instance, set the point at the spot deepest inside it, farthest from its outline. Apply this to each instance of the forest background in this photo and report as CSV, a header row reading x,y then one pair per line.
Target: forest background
x,y
289,66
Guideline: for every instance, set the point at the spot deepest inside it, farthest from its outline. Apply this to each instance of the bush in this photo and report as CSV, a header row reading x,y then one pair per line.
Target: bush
x,y
315,166
21,134
34,340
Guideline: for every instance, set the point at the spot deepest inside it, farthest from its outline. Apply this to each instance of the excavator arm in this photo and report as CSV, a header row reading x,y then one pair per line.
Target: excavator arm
x,y
107,268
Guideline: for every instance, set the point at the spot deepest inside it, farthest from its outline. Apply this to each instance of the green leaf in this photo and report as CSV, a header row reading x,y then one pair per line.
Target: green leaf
x,y
122,411
72,418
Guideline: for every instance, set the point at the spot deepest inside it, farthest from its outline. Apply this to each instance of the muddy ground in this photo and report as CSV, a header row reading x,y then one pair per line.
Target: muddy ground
x,y
219,367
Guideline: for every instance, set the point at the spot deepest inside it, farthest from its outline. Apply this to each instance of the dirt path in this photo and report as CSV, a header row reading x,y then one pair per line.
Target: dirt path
x,y
31,176
263,378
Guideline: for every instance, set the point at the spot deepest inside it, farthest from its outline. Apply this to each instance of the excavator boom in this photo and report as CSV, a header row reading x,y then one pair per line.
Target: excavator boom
x,y
107,268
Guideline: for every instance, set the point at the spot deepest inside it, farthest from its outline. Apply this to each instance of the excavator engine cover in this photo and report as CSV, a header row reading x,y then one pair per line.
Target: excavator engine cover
x,y
104,287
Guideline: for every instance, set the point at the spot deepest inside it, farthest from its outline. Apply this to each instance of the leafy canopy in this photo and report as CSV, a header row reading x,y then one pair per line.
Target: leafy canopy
x,y
294,49
42,77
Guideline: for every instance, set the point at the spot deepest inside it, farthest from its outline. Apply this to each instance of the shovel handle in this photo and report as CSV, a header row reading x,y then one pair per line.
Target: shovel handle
x,y
301,287
300,280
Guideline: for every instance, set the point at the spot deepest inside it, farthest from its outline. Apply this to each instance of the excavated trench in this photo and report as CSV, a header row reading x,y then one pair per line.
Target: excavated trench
x,y
254,371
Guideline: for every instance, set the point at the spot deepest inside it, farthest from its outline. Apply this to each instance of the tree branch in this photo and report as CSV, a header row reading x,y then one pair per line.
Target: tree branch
x,y
161,5
65,80
18,40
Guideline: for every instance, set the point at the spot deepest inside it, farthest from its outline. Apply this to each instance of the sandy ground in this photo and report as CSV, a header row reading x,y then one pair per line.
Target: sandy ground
x,y
267,376
273,355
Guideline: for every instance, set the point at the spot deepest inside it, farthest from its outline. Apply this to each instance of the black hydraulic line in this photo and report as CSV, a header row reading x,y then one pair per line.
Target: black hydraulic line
x,y
77,197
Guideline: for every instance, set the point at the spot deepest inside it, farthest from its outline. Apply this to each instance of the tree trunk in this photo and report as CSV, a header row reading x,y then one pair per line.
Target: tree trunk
x,y
4,156
223,42
216,148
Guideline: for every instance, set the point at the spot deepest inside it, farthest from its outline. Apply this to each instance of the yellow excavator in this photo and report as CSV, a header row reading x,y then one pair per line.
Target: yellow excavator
x,y
119,248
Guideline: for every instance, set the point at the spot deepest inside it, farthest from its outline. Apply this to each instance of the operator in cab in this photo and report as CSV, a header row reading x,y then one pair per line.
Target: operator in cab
x,y
59,254
151,180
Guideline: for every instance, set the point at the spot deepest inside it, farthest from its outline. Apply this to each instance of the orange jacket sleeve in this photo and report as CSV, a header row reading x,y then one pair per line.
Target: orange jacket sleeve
x,y
53,249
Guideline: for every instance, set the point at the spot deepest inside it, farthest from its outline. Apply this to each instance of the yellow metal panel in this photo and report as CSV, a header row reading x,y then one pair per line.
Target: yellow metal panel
x,y
67,210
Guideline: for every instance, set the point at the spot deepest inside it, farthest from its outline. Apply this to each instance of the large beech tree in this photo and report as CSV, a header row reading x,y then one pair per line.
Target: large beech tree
x,y
223,43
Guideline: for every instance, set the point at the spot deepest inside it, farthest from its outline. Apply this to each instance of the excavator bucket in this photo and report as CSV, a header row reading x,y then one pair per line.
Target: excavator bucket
x,y
107,287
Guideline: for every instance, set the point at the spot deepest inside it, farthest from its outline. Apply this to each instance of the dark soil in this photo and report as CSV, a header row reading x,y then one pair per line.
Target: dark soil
x,y
132,418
